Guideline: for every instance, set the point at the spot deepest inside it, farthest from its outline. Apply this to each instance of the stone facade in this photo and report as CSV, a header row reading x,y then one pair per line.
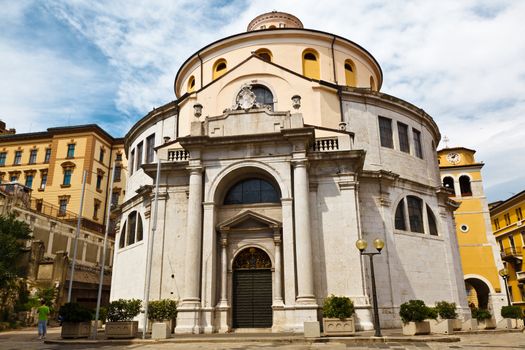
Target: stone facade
x,y
291,185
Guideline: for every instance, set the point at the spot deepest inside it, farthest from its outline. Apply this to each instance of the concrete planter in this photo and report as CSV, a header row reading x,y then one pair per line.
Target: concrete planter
x,y
470,325
169,323
336,326
510,323
488,323
75,330
160,330
416,328
442,326
122,329
457,324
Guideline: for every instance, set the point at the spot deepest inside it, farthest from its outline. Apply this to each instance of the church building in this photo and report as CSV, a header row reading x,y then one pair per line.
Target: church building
x,y
278,153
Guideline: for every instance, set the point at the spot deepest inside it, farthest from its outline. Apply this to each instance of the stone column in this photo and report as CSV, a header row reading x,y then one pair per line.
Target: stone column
x,y
278,298
188,320
50,242
305,283
224,271
288,247
407,214
426,227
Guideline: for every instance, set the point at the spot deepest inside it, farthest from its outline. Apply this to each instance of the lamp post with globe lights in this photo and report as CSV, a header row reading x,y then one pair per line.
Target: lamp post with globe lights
x,y
504,273
379,244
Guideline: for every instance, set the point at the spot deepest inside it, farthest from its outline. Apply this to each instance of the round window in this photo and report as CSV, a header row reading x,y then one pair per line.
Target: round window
x,y
464,228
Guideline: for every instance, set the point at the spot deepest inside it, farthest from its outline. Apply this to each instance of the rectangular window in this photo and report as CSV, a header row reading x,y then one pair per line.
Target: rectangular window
x,y
62,207
44,181
99,181
500,245
496,223
67,177
18,157
385,132
117,173
131,162
3,157
402,131
523,238
507,219
47,156
140,147
71,150
32,156
13,178
511,241
29,181
101,156
150,148
416,135
96,207
519,214
415,214
119,157
115,198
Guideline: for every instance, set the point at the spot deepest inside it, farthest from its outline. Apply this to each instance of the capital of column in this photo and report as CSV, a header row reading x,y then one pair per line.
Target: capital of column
x,y
300,163
195,169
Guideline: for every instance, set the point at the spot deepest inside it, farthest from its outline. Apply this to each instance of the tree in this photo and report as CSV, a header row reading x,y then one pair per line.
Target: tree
x,y
13,234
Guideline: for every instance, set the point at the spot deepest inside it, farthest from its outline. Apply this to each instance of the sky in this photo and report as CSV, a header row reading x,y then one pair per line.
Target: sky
x,y
70,62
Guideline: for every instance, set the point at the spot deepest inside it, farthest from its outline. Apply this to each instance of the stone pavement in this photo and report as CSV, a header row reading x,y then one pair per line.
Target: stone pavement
x,y
487,340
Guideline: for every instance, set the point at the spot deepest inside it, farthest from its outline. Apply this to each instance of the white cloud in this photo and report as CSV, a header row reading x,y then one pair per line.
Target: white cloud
x,y
461,61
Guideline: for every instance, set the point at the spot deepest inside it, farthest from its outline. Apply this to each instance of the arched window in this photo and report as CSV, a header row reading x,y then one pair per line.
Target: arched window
x,y
252,191
432,226
372,84
191,84
265,54
448,182
415,214
350,73
464,185
263,95
122,241
219,68
140,234
132,222
400,216
311,64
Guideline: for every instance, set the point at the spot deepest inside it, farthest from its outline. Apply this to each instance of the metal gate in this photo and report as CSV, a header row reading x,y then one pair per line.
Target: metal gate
x,y
252,298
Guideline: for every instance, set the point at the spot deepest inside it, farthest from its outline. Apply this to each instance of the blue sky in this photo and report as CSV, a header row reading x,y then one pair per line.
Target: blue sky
x,y
110,62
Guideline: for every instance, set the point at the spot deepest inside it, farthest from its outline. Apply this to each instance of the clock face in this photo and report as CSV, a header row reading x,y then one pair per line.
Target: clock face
x,y
453,158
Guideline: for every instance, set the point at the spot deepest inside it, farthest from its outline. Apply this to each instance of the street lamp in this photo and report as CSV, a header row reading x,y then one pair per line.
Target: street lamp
x,y
379,244
504,273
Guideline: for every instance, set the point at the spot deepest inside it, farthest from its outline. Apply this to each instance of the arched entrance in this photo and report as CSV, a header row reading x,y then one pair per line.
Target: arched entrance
x,y
477,293
252,289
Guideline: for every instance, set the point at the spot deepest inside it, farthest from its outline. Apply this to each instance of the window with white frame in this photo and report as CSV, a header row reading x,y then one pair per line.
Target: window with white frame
x,y
409,216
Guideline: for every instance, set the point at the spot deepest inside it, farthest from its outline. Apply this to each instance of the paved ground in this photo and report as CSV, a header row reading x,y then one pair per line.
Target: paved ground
x,y
28,339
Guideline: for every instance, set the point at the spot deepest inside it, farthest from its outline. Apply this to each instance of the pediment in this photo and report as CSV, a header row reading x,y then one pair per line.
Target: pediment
x,y
249,219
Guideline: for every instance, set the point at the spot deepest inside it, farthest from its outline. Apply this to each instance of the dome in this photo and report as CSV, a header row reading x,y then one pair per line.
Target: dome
x,y
273,20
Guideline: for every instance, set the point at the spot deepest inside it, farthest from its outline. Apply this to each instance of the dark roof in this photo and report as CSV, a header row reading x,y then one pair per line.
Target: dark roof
x,y
499,204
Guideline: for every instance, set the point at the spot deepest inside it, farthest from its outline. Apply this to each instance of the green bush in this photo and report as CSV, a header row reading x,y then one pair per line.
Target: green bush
x,y
164,309
480,314
73,312
416,311
512,312
103,314
446,310
123,309
338,307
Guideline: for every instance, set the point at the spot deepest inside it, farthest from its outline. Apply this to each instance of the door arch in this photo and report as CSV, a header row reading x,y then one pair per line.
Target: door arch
x,y
252,289
477,293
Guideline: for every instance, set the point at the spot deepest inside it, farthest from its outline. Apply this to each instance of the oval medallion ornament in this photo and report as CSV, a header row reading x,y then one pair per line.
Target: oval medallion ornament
x,y
246,98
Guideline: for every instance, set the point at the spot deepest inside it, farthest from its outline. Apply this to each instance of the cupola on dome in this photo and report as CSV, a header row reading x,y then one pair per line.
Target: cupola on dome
x,y
273,20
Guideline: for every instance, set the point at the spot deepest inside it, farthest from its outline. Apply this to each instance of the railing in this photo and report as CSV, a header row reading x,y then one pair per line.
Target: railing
x,y
511,252
326,144
178,155
520,276
47,209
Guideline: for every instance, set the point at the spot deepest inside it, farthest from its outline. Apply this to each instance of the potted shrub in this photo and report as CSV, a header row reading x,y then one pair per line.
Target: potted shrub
x,y
485,320
447,322
413,314
338,316
76,320
512,314
163,311
120,318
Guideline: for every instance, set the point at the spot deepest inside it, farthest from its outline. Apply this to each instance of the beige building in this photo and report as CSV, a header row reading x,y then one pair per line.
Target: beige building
x,y
278,154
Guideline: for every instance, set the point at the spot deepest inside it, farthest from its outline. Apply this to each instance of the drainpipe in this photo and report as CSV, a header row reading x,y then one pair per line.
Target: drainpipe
x,y
339,90
333,59
200,59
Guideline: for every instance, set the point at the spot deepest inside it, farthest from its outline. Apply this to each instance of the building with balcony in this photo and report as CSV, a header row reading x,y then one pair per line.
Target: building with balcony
x,y
277,155
508,225
480,258
41,177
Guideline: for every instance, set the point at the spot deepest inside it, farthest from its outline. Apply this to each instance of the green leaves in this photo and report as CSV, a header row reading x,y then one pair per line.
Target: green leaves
x,y
73,312
513,311
13,234
123,309
416,311
338,307
164,309
446,310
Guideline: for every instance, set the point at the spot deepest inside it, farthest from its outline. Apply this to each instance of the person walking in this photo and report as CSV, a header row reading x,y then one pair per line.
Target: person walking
x,y
43,312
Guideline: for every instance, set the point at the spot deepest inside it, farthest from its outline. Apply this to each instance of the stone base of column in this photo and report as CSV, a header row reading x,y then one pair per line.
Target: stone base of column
x,y
364,317
305,313
222,317
188,318
208,320
306,300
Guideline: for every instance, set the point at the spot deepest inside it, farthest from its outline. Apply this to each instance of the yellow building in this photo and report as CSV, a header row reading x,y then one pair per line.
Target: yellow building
x,y
52,164
461,175
509,229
